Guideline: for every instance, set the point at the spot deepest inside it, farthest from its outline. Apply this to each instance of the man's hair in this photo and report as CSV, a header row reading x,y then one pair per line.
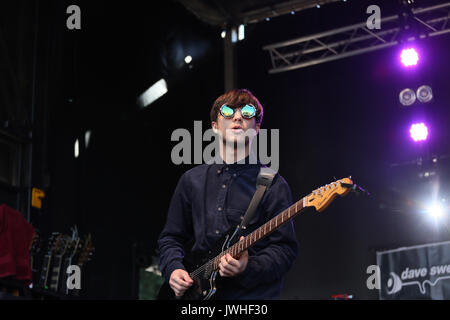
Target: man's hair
x,y
236,98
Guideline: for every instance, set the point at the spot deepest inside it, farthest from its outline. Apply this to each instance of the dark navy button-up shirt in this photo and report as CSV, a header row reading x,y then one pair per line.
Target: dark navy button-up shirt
x,y
210,199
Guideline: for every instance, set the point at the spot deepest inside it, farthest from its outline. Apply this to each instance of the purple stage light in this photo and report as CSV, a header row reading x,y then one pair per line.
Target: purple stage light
x,y
418,132
409,57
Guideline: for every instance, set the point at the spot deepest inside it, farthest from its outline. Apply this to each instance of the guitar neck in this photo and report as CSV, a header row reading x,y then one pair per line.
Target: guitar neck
x,y
63,284
44,272
263,231
55,272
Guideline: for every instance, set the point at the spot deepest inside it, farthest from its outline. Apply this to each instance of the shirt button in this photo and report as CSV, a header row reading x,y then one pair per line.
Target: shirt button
x,y
224,186
217,231
226,169
220,208
234,175
218,171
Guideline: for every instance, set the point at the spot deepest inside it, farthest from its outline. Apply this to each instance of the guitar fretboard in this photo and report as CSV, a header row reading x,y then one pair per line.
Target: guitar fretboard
x,y
267,228
44,272
55,272
63,284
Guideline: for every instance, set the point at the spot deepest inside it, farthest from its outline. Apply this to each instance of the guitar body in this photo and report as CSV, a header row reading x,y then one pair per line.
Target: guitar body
x,y
206,280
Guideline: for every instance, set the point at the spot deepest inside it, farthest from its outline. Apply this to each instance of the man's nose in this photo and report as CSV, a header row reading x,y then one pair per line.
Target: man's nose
x,y
237,115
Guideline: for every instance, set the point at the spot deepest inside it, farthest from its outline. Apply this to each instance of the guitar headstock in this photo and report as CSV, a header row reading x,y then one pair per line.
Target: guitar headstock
x,y
62,245
53,242
323,196
35,245
86,251
74,247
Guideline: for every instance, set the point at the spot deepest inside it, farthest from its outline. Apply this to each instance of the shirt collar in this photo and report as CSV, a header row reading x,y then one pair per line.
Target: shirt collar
x,y
247,162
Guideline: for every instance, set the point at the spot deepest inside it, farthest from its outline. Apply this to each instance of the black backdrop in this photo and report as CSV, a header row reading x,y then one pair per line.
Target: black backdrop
x,y
335,119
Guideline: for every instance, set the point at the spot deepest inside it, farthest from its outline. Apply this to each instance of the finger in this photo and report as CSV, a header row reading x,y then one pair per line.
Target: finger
x,y
233,262
180,282
229,269
224,270
184,284
177,288
225,273
179,293
187,278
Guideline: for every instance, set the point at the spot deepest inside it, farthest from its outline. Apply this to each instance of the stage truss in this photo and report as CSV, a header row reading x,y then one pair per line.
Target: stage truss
x,y
355,39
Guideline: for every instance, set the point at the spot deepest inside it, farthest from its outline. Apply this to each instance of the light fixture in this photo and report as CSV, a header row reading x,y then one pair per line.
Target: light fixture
x,y
436,211
418,132
424,94
241,32
153,93
234,35
223,34
87,138
409,57
188,59
407,97
76,151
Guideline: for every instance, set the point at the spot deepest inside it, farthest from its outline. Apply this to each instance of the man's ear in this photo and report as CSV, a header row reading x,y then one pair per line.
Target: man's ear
x,y
258,126
214,126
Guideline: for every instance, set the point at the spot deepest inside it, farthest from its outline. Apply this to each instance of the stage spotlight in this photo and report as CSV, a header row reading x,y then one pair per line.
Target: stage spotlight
x,y
436,211
153,93
424,94
409,57
76,149
418,132
87,138
234,35
407,97
241,32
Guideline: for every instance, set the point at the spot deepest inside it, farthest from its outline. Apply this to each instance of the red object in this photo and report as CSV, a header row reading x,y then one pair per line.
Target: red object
x,y
16,235
343,296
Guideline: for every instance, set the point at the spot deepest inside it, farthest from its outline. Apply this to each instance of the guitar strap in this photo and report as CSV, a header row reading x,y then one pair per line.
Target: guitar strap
x,y
263,182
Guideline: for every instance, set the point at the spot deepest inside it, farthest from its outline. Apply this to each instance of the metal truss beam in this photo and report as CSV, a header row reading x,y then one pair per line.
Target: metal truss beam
x,y
355,39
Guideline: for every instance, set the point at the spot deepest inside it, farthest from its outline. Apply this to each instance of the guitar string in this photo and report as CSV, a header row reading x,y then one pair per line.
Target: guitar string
x,y
201,269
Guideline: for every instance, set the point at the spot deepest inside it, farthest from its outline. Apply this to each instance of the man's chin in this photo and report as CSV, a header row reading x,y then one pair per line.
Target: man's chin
x,y
237,140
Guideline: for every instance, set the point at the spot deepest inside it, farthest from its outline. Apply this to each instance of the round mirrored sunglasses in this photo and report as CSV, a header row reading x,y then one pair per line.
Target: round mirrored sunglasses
x,y
248,111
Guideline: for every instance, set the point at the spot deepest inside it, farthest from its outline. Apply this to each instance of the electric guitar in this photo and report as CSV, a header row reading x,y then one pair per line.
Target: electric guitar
x,y
34,249
85,255
59,253
53,243
72,250
204,269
